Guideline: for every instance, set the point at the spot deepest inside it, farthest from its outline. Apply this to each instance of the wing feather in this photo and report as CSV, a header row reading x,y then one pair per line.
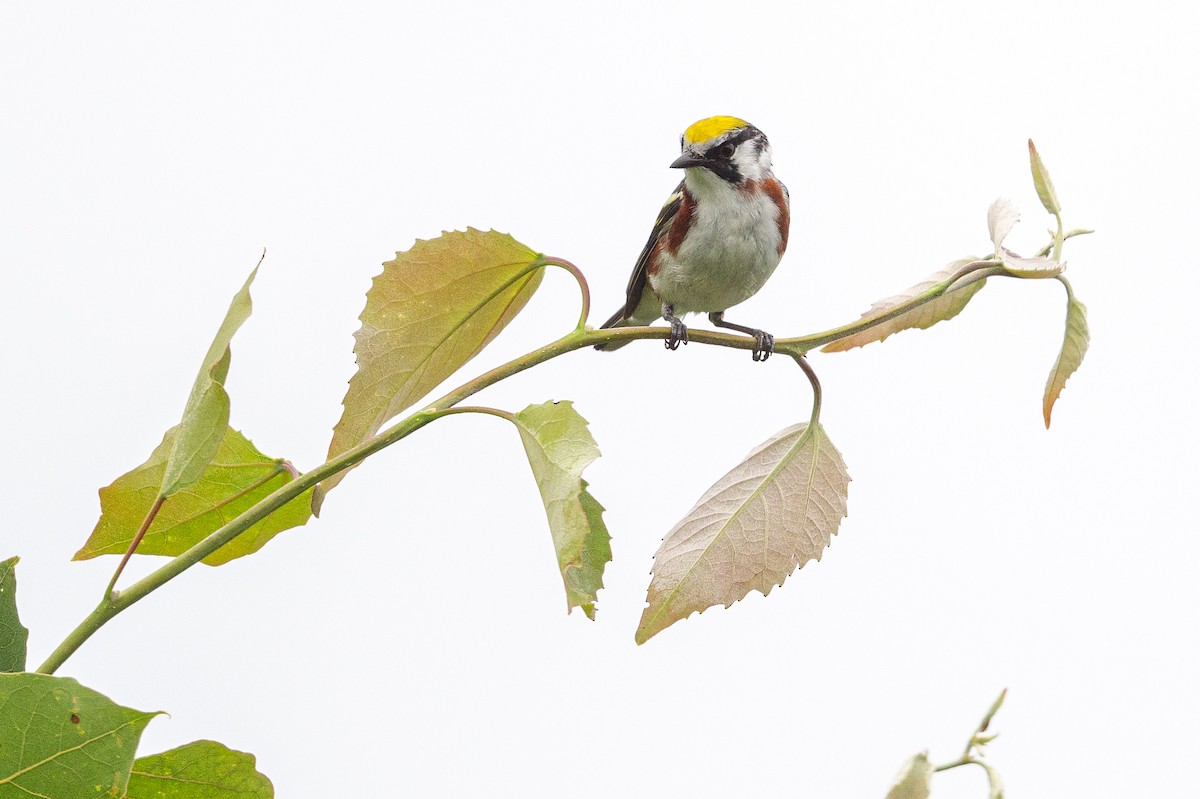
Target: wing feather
x,y
637,281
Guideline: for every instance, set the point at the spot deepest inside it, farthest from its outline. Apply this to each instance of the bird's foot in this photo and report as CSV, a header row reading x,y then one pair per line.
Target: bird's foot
x,y
678,335
764,345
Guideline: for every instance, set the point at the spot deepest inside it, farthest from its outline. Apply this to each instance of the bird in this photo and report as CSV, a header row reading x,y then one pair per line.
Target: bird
x,y
717,239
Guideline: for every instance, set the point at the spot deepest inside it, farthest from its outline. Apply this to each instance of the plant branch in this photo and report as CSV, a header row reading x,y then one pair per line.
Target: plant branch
x,y
114,603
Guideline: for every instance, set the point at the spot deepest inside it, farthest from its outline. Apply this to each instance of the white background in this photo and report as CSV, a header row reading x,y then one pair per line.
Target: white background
x,y
412,642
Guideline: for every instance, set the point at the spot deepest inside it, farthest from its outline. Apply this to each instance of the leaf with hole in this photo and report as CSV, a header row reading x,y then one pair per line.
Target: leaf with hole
x,y
59,739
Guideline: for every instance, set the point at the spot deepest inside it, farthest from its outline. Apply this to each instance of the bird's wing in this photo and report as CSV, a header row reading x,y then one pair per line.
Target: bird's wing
x,y
637,281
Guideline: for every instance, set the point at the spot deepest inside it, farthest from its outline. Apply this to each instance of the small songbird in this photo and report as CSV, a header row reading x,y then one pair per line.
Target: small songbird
x,y
718,237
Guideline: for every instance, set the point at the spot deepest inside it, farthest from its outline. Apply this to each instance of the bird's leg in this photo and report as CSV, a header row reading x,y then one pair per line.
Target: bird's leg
x,y
764,343
678,329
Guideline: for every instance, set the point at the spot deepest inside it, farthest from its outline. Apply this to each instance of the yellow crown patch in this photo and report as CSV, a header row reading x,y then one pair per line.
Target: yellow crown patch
x,y
711,128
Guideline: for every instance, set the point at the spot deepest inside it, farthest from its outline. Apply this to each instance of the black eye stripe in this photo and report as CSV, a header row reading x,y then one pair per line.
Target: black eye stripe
x,y
736,139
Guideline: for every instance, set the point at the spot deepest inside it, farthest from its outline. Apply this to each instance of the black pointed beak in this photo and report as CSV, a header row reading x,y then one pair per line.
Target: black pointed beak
x,y
687,160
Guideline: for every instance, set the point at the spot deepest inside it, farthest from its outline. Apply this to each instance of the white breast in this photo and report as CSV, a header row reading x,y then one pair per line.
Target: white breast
x,y
729,253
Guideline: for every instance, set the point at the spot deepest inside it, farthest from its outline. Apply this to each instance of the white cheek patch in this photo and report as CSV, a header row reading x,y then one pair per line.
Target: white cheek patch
x,y
753,163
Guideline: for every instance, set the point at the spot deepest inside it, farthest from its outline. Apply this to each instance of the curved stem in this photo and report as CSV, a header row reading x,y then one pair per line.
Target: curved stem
x,y
815,417
482,409
562,263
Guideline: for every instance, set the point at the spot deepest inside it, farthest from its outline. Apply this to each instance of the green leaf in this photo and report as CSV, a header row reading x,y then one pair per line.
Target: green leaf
x,y
12,634
237,477
915,779
433,308
206,415
559,448
1070,356
941,309
775,511
59,739
199,770
1042,182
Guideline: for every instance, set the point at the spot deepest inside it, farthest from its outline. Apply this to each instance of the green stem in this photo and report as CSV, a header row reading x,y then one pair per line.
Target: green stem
x,y
1058,238
962,761
115,603
1070,234
815,417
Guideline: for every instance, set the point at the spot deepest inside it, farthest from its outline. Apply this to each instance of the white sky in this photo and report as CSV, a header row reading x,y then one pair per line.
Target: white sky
x,y
413,641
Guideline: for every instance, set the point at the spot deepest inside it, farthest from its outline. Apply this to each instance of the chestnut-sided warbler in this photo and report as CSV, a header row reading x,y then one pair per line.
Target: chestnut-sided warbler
x,y
718,237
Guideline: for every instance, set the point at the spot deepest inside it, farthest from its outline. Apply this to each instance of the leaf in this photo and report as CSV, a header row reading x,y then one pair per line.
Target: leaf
x,y
237,477
59,739
1041,266
206,414
941,309
1041,182
915,779
1002,215
433,308
559,448
1074,346
995,784
776,510
199,770
13,635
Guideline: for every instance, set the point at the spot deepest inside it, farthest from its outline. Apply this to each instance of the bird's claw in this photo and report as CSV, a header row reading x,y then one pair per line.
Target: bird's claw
x,y
679,335
764,345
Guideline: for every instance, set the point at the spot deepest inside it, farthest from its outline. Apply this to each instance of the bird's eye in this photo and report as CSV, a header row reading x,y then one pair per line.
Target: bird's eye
x,y
727,150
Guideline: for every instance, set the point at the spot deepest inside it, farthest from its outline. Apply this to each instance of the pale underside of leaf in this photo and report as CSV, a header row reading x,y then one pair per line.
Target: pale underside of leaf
x,y
775,511
206,414
236,478
1002,215
941,309
431,310
559,447
1041,266
1074,346
915,779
